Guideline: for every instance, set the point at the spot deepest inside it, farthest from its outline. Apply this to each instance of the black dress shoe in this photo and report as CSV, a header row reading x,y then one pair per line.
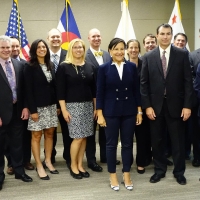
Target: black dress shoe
x,y
44,177
169,163
74,175
24,177
156,178
85,174
140,171
118,162
51,171
196,163
180,179
95,167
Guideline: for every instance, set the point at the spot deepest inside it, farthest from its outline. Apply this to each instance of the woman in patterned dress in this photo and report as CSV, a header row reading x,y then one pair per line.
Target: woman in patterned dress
x,y
41,98
76,95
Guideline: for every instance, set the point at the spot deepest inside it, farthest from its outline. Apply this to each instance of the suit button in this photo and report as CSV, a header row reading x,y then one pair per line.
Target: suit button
x,y
117,99
126,88
126,97
117,90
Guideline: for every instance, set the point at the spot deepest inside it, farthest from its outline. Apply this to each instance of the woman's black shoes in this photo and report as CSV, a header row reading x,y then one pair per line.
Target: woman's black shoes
x,y
52,172
76,176
43,178
84,174
140,171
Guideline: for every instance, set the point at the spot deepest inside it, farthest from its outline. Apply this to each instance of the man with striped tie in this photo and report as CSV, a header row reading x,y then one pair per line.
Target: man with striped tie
x,y
12,110
58,55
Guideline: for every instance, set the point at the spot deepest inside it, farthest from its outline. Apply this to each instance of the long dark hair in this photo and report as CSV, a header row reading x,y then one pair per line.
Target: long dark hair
x,y
33,56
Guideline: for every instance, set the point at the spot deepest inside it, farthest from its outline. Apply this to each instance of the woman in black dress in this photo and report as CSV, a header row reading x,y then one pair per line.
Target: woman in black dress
x,y
76,95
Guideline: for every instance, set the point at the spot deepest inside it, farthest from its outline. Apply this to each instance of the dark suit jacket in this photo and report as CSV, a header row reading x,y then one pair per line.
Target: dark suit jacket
x,y
40,92
178,82
62,55
6,99
194,59
118,97
91,59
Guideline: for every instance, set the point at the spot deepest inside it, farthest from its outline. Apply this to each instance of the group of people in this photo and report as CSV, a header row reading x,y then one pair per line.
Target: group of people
x,y
151,96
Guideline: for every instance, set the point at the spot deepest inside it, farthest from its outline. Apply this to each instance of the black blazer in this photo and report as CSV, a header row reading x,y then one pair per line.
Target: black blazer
x,y
63,55
6,99
178,82
40,92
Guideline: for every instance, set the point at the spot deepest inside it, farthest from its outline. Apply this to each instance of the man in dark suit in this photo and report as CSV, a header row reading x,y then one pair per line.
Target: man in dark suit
x,y
26,134
194,61
12,110
166,89
96,57
58,55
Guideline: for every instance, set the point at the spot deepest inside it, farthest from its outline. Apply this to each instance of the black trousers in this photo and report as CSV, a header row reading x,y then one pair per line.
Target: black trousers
x,y
66,139
14,131
26,145
143,139
91,146
195,133
176,127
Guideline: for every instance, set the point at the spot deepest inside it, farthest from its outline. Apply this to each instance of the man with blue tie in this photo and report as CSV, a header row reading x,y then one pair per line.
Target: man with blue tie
x,y
12,110
58,55
96,57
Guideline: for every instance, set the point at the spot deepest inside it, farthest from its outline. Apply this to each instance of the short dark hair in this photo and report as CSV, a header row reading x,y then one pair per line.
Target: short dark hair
x,y
33,56
183,34
164,26
133,40
114,42
151,36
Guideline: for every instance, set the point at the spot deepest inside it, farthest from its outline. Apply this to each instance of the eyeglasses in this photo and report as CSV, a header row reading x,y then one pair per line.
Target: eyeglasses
x,y
76,48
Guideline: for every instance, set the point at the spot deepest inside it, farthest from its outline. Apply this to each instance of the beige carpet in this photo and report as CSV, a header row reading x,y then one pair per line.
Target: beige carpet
x,y
63,186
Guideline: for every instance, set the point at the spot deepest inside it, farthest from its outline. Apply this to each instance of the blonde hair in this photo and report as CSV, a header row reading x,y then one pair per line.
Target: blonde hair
x,y
69,57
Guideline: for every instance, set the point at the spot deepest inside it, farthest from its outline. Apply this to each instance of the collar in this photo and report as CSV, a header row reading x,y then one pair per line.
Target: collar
x,y
167,49
92,50
114,63
57,53
2,61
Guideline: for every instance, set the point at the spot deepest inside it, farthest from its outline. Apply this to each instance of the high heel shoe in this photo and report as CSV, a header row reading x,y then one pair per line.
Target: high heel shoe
x,y
44,177
115,188
128,187
51,171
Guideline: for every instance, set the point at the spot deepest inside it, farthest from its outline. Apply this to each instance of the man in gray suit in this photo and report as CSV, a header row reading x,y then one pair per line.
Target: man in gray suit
x,y
96,57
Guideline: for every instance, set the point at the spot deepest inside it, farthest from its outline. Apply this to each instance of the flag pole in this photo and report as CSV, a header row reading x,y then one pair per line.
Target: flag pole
x,y
18,21
179,10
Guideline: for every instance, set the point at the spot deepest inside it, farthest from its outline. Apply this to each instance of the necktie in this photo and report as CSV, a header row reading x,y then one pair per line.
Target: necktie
x,y
11,80
55,61
98,53
164,63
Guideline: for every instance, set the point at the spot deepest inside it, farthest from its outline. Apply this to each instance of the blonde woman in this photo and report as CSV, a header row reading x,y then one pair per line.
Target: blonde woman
x,y
76,95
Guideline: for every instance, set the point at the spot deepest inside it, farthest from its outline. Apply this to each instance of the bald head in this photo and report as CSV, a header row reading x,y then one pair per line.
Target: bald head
x,y
94,38
54,39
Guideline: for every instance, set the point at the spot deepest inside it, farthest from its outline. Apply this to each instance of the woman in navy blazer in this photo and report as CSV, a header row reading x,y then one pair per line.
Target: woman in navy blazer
x,y
118,109
41,98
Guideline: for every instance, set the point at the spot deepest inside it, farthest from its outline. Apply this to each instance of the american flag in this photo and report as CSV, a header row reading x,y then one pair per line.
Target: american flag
x,y
16,29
